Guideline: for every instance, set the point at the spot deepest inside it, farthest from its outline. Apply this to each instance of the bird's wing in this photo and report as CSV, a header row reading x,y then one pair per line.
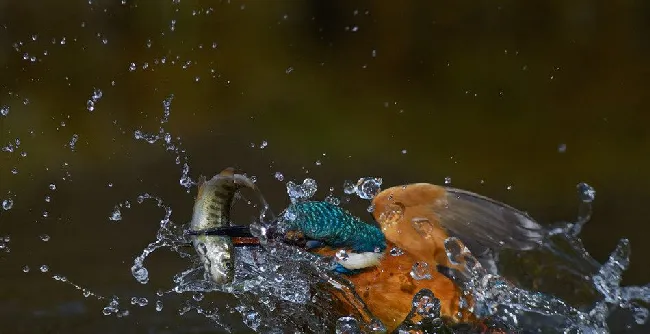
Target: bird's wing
x,y
482,223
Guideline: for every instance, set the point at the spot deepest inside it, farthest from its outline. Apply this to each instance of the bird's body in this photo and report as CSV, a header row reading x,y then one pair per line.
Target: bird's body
x,y
417,219
388,288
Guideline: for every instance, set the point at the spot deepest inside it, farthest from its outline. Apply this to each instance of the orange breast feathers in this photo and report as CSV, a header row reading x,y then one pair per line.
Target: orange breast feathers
x,y
418,218
388,289
407,218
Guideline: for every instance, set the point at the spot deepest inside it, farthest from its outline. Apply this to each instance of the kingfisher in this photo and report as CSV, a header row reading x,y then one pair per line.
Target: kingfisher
x,y
402,250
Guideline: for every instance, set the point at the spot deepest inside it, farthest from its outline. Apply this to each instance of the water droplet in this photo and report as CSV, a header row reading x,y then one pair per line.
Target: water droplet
x,y
112,307
342,255
426,304
404,152
73,141
368,188
45,214
374,53
561,148
318,163
44,268
60,278
159,305
376,326
279,176
371,208
304,191
420,271
396,251
264,144
97,94
454,250
116,215
26,269
139,301
349,187
7,204
288,70
45,237
587,193
48,199
640,314
331,199
141,274
424,227
14,170
4,110
347,325
132,67
447,180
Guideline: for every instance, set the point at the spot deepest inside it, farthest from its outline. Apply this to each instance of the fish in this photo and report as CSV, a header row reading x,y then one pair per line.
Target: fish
x,y
212,211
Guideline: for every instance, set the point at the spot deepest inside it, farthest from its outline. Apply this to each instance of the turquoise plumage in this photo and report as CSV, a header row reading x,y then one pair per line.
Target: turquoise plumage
x,y
334,226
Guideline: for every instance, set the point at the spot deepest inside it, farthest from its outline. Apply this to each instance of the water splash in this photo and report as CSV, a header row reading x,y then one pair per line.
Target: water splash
x,y
116,215
302,191
4,244
496,296
169,235
424,316
347,325
365,188
7,204
169,143
97,94
73,142
396,251
278,288
420,271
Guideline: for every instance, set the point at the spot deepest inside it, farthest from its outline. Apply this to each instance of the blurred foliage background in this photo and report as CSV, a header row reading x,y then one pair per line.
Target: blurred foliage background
x,y
516,100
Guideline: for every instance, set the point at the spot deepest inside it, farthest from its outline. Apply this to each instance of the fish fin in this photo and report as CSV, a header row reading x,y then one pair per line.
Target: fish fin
x,y
483,223
228,171
200,184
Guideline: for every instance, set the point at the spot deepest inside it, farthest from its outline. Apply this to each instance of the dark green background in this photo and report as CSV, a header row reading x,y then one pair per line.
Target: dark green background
x,y
473,90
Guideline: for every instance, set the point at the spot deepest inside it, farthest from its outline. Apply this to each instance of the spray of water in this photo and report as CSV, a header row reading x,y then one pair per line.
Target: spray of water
x,y
279,289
